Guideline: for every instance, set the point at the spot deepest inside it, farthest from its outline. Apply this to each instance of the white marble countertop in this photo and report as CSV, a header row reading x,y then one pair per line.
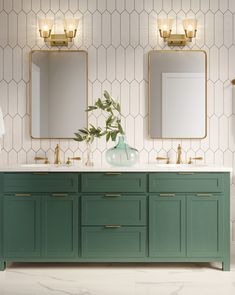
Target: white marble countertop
x,y
152,167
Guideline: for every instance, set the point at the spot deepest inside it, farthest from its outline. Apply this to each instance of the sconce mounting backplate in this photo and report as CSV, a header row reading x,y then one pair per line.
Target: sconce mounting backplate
x,y
58,40
177,40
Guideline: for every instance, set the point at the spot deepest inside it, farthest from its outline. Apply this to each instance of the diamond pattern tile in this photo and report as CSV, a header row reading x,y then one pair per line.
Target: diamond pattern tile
x,y
118,35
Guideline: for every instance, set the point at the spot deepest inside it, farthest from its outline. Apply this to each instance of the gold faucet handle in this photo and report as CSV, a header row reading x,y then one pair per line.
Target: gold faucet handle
x,y
69,161
42,158
196,158
163,158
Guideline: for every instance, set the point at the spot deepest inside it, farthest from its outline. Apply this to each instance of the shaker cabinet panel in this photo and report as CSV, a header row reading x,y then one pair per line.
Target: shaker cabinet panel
x,y
204,226
187,182
21,226
60,226
167,226
114,242
113,209
41,182
114,182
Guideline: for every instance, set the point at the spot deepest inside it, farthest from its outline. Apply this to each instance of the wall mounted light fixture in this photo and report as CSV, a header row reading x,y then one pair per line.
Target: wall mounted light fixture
x,y
165,28
70,30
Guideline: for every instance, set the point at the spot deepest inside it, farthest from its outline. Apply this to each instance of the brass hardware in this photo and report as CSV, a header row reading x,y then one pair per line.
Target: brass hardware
x,y
167,195
233,82
165,29
112,226
185,173
57,155
70,30
69,161
23,195
40,173
42,158
177,40
113,173
204,195
196,158
163,158
112,195
59,195
179,155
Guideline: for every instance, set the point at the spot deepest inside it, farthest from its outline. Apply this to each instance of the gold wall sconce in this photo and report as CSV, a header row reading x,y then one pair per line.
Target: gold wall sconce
x,y
165,29
70,31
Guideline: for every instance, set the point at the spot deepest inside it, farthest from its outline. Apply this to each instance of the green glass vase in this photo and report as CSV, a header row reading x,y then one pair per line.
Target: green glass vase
x,y
122,154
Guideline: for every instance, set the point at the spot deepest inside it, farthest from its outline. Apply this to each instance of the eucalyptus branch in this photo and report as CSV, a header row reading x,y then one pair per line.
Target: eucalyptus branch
x,y
113,125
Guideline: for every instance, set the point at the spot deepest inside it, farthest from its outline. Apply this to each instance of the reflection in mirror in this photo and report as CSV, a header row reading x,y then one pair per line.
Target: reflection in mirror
x,y
177,91
58,93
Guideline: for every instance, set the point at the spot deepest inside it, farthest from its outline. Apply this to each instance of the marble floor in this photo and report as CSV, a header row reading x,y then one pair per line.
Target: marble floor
x,y
117,279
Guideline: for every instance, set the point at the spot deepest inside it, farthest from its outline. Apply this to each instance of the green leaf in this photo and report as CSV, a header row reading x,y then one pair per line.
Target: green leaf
x,y
108,136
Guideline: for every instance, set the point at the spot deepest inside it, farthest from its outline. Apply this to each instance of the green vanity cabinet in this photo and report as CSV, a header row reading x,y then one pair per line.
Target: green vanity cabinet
x,y
167,225
21,225
60,225
115,217
205,225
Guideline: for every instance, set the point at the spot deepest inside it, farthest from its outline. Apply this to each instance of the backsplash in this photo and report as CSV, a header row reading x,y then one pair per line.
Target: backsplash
x,y
118,36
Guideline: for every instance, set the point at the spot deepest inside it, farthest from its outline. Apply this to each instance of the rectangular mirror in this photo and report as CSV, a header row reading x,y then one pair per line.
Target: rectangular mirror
x,y
58,93
177,94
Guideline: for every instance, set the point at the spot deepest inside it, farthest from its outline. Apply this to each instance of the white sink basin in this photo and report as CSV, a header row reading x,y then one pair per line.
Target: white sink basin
x,y
35,165
180,165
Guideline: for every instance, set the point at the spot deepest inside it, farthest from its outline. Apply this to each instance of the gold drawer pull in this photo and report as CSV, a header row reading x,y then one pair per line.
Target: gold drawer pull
x,y
59,195
113,173
40,173
23,195
112,195
204,195
167,195
185,173
112,226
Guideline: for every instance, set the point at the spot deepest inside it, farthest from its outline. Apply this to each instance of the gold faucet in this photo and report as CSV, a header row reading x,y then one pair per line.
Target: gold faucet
x,y
57,155
179,153
42,158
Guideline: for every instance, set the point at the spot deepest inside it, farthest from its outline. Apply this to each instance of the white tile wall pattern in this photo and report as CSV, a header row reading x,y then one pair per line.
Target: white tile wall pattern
x,y
118,34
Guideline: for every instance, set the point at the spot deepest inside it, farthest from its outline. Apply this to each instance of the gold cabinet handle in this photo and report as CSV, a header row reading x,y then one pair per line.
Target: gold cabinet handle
x,y
23,195
112,195
185,173
113,173
40,173
167,195
204,195
112,226
59,195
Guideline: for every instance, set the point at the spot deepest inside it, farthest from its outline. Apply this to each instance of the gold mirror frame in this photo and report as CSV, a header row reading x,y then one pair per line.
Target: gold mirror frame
x,y
30,88
149,100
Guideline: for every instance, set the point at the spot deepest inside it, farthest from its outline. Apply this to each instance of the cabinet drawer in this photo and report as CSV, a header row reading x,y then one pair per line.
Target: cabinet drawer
x,y
41,182
186,182
114,182
113,209
113,242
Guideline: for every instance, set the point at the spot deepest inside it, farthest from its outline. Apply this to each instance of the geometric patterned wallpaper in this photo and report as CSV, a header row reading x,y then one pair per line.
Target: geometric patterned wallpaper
x,y
118,34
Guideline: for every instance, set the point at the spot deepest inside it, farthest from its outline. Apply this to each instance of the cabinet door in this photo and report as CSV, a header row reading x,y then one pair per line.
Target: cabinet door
x,y
21,225
204,225
167,226
60,225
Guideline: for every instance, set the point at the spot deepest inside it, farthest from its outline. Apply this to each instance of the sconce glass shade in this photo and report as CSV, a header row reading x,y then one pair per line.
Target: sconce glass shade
x,y
45,27
70,27
190,28
165,27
